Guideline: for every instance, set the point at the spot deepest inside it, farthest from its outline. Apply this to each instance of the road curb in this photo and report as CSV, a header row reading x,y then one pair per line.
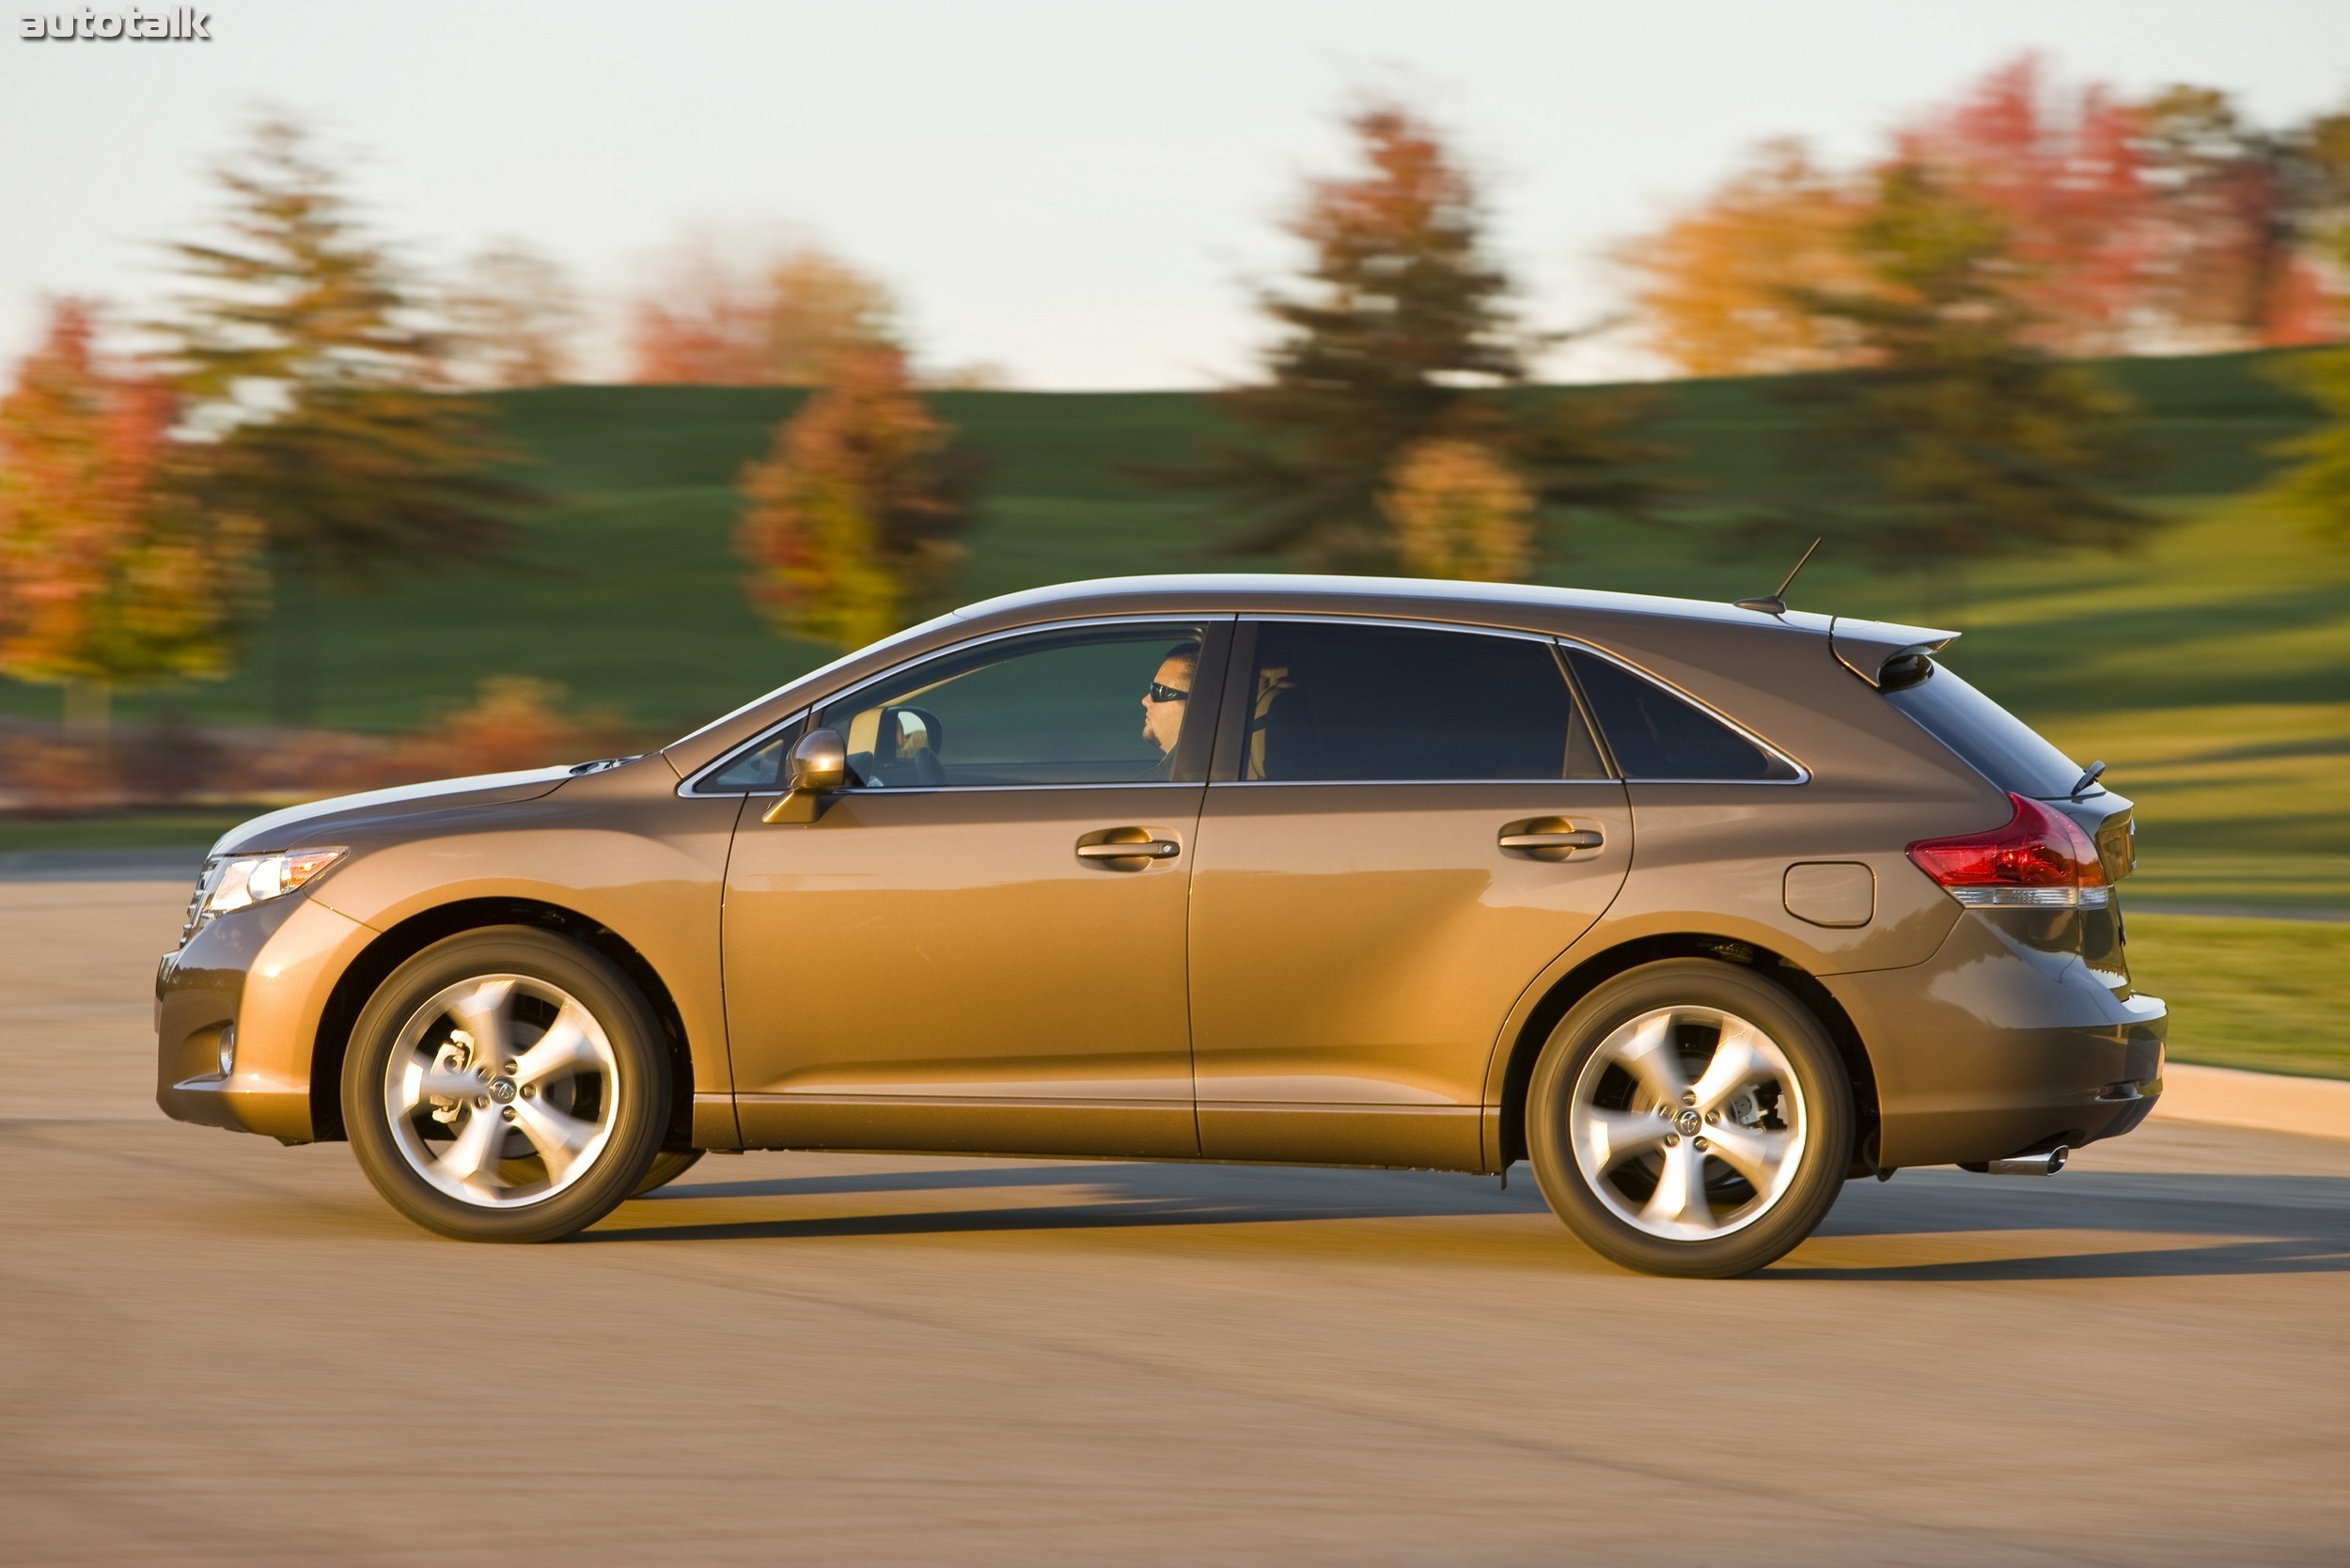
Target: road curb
x,y
2263,1102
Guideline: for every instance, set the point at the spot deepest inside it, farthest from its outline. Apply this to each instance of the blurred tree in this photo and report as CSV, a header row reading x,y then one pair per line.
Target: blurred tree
x,y
2064,171
852,522
1401,332
1459,512
1984,444
2316,487
1715,285
109,577
2242,210
305,381
709,321
515,319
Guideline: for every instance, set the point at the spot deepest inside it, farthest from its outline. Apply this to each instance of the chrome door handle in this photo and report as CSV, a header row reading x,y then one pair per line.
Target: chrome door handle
x,y
1144,848
1572,838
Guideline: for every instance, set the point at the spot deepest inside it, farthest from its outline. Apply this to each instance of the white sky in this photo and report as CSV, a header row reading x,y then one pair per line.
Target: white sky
x,y
1076,189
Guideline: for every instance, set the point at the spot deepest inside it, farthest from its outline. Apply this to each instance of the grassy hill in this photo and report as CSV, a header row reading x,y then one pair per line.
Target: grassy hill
x,y
2211,667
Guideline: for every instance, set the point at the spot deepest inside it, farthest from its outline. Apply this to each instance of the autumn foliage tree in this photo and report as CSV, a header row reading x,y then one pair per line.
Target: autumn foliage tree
x,y
1459,512
2158,224
302,371
851,523
109,576
707,321
1400,331
2246,215
514,319
2315,485
1983,443
1719,289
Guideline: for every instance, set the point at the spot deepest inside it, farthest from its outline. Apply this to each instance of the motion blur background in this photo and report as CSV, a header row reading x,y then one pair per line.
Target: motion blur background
x,y
400,392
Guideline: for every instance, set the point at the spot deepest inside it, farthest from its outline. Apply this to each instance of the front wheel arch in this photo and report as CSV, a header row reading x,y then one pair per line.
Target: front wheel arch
x,y
397,946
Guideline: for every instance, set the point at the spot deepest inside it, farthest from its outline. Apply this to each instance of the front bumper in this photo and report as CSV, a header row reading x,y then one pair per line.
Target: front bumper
x,y
1999,1043
264,972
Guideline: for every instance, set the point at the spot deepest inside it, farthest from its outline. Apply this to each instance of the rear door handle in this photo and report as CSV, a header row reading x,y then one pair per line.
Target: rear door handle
x,y
1546,836
1131,849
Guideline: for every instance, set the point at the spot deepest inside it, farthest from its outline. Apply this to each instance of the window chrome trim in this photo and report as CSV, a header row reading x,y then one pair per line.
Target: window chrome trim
x,y
1803,775
691,786
1408,623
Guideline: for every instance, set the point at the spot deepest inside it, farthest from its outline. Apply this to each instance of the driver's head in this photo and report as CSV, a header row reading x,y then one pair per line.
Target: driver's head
x,y
1165,699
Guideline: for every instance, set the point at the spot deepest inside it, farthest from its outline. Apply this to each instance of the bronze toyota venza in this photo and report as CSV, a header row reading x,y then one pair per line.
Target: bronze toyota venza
x,y
1702,909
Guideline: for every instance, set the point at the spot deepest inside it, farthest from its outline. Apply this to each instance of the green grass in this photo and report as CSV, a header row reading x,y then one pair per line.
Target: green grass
x,y
2269,996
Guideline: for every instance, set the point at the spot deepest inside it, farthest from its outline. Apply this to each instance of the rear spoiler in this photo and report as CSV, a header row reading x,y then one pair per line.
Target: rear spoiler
x,y
1882,653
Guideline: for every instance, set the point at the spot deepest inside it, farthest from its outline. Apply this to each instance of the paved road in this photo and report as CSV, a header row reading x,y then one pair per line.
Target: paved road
x,y
214,1349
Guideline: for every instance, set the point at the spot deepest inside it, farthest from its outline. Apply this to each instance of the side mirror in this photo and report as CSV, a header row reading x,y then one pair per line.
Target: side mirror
x,y
819,765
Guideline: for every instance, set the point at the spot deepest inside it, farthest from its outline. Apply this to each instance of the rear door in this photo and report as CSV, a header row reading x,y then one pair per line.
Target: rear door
x,y
1405,824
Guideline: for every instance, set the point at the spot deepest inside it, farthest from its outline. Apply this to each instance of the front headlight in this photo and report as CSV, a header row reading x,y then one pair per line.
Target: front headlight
x,y
245,880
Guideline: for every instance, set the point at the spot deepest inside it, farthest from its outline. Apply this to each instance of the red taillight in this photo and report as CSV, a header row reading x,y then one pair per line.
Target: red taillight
x,y
2040,859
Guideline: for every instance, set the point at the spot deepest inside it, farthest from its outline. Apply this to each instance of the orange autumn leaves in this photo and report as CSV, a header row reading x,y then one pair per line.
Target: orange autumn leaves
x,y
2169,224
852,521
109,574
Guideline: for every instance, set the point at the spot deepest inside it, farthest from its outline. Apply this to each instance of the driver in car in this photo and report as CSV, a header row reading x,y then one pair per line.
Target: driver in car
x,y
1163,702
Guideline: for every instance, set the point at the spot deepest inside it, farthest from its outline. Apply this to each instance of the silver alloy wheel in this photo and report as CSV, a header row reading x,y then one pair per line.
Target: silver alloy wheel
x,y
501,1091
1682,1136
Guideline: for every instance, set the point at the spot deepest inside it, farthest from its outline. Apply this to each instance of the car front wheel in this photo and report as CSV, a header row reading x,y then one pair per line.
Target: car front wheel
x,y
1690,1118
506,1084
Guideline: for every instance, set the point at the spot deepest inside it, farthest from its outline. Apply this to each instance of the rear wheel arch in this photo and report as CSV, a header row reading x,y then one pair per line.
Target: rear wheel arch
x,y
395,947
1600,968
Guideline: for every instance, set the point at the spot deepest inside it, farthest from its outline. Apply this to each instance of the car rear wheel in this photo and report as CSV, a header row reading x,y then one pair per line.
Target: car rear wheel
x,y
506,1084
1690,1118
666,1166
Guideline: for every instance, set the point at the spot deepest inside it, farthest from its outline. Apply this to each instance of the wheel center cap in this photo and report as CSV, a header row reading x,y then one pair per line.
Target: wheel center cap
x,y
502,1090
1689,1121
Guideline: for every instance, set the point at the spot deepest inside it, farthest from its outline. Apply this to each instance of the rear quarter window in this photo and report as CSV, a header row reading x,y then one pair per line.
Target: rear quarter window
x,y
1659,735
1994,742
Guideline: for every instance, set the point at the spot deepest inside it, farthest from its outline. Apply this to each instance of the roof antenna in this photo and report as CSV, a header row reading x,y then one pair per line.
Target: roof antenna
x,y
1776,603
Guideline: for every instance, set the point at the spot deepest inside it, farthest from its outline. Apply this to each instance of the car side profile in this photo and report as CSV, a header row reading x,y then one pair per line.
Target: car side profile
x,y
1702,909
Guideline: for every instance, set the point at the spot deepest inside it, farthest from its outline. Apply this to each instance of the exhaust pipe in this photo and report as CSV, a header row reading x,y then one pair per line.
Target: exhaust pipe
x,y
2041,1162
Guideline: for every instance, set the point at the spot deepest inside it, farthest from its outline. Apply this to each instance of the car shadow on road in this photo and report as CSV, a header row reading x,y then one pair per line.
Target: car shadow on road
x,y
1098,1196
2205,1224
2210,1224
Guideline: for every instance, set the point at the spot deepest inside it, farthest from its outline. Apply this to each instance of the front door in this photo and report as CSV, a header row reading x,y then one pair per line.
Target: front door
x,y
1408,824
955,955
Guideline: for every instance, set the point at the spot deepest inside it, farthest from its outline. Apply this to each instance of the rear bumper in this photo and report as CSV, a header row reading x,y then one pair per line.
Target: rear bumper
x,y
1996,1045
262,973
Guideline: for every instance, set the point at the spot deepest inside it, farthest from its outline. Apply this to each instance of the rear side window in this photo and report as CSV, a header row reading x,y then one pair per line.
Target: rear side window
x,y
1352,704
1659,735
1994,742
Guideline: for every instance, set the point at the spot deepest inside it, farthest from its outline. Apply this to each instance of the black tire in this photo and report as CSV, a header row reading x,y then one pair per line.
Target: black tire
x,y
1823,1121
632,1068
666,1166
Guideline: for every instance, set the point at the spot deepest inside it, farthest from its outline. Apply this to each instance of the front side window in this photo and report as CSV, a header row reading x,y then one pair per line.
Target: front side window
x,y
1656,733
1344,703
1093,706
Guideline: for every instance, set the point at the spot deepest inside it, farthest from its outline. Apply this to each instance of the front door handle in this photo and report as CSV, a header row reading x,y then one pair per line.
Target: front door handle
x,y
1553,838
1141,848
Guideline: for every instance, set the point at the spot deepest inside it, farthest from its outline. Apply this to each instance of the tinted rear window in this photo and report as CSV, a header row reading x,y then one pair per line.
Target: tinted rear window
x,y
1350,704
1659,735
1994,742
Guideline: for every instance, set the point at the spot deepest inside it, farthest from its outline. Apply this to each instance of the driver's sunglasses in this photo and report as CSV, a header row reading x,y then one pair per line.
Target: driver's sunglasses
x,y
1165,693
